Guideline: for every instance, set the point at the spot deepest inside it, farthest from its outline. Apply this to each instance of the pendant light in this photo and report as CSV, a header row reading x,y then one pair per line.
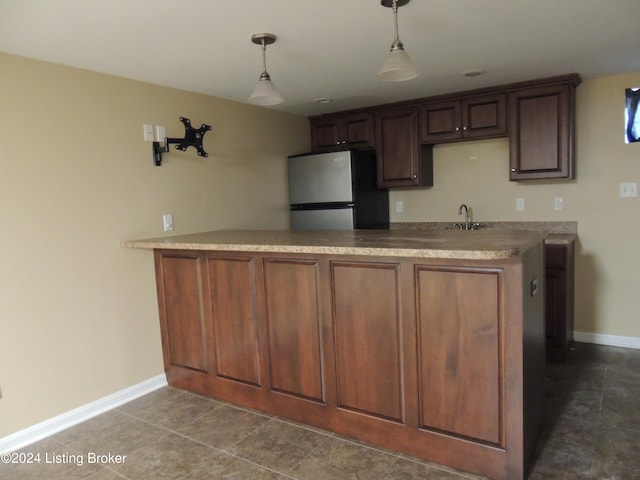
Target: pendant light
x,y
397,66
265,92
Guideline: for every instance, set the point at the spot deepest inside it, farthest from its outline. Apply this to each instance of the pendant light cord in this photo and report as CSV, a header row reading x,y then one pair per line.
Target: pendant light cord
x,y
397,44
264,75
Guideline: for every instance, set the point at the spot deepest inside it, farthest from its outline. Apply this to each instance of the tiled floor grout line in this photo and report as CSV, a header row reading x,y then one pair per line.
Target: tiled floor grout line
x,y
230,454
273,418
225,452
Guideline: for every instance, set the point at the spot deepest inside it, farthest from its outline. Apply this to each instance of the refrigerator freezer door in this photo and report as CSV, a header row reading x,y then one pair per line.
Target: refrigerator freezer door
x,y
334,219
320,178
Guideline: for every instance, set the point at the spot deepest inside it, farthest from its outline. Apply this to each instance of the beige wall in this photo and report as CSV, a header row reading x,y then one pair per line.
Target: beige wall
x,y
78,314
608,259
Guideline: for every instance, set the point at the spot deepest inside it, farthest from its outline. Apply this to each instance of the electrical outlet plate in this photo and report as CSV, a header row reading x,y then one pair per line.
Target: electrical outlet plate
x,y
629,189
148,132
558,203
399,206
520,204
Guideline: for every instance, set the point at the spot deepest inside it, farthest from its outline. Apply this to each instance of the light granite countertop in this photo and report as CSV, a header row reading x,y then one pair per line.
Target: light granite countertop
x,y
451,244
555,232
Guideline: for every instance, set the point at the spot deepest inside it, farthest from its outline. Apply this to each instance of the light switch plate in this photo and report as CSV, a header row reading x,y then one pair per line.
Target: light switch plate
x,y
167,222
161,133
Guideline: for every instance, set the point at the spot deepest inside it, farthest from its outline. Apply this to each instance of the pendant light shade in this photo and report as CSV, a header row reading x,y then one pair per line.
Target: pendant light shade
x,y
398,66
265,92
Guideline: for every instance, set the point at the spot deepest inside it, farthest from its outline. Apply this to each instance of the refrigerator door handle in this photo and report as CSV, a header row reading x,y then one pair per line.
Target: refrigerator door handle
x,y
322,206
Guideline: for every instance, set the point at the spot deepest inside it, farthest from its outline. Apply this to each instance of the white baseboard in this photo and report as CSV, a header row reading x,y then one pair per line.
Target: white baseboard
x,y
61,422
609,340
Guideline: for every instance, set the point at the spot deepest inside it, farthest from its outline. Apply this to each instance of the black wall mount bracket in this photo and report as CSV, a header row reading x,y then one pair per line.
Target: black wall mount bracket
x,y
192,138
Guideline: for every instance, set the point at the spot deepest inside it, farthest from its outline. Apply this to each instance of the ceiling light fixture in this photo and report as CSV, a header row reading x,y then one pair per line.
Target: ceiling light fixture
x,y
265,93
397,67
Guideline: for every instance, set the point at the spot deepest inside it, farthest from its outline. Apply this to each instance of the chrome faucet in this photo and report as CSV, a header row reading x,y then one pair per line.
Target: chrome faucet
x,y
467,218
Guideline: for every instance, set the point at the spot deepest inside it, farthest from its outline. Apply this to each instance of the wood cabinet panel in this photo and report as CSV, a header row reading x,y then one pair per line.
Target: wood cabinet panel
x,y
474,117
541,140
233,314
342,131
484,116
294,327
440,122
402,160
460,353
359,131
181,310
368,338
325,135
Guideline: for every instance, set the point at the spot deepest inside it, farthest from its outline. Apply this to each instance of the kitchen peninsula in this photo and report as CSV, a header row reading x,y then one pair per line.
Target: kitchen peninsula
x,y
426,343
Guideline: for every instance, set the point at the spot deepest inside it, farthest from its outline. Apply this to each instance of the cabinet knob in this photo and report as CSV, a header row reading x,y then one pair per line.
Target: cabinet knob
x,y
513,170
464,128
457,129
415,176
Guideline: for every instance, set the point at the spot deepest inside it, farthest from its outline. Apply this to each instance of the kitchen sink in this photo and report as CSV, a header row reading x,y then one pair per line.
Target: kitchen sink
x,y
465,226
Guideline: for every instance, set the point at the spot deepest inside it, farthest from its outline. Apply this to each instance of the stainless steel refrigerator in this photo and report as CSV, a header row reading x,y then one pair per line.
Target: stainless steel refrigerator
x,y
336,190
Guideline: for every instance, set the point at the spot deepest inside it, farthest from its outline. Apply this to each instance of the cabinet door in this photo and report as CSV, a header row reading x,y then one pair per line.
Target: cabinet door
x,y
541,132
558,300
440,122
398,148
342,131
460,355
358,131
325,134
182,318
234,315
554,317
368,338
467,118
294,327
485,116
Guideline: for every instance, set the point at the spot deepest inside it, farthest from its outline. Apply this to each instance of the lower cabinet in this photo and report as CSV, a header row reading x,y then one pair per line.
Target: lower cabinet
x,y
439,359
559,272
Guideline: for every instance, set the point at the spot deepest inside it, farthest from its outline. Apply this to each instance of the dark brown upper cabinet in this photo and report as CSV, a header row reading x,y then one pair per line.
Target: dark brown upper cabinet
x,y
334,132
537,116
542,132
402,160
473,117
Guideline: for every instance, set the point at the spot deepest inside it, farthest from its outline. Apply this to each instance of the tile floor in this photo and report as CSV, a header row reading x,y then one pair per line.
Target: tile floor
x,y
591,431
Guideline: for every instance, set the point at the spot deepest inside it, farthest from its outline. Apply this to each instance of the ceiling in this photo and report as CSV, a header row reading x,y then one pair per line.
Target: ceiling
x,y
326,49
